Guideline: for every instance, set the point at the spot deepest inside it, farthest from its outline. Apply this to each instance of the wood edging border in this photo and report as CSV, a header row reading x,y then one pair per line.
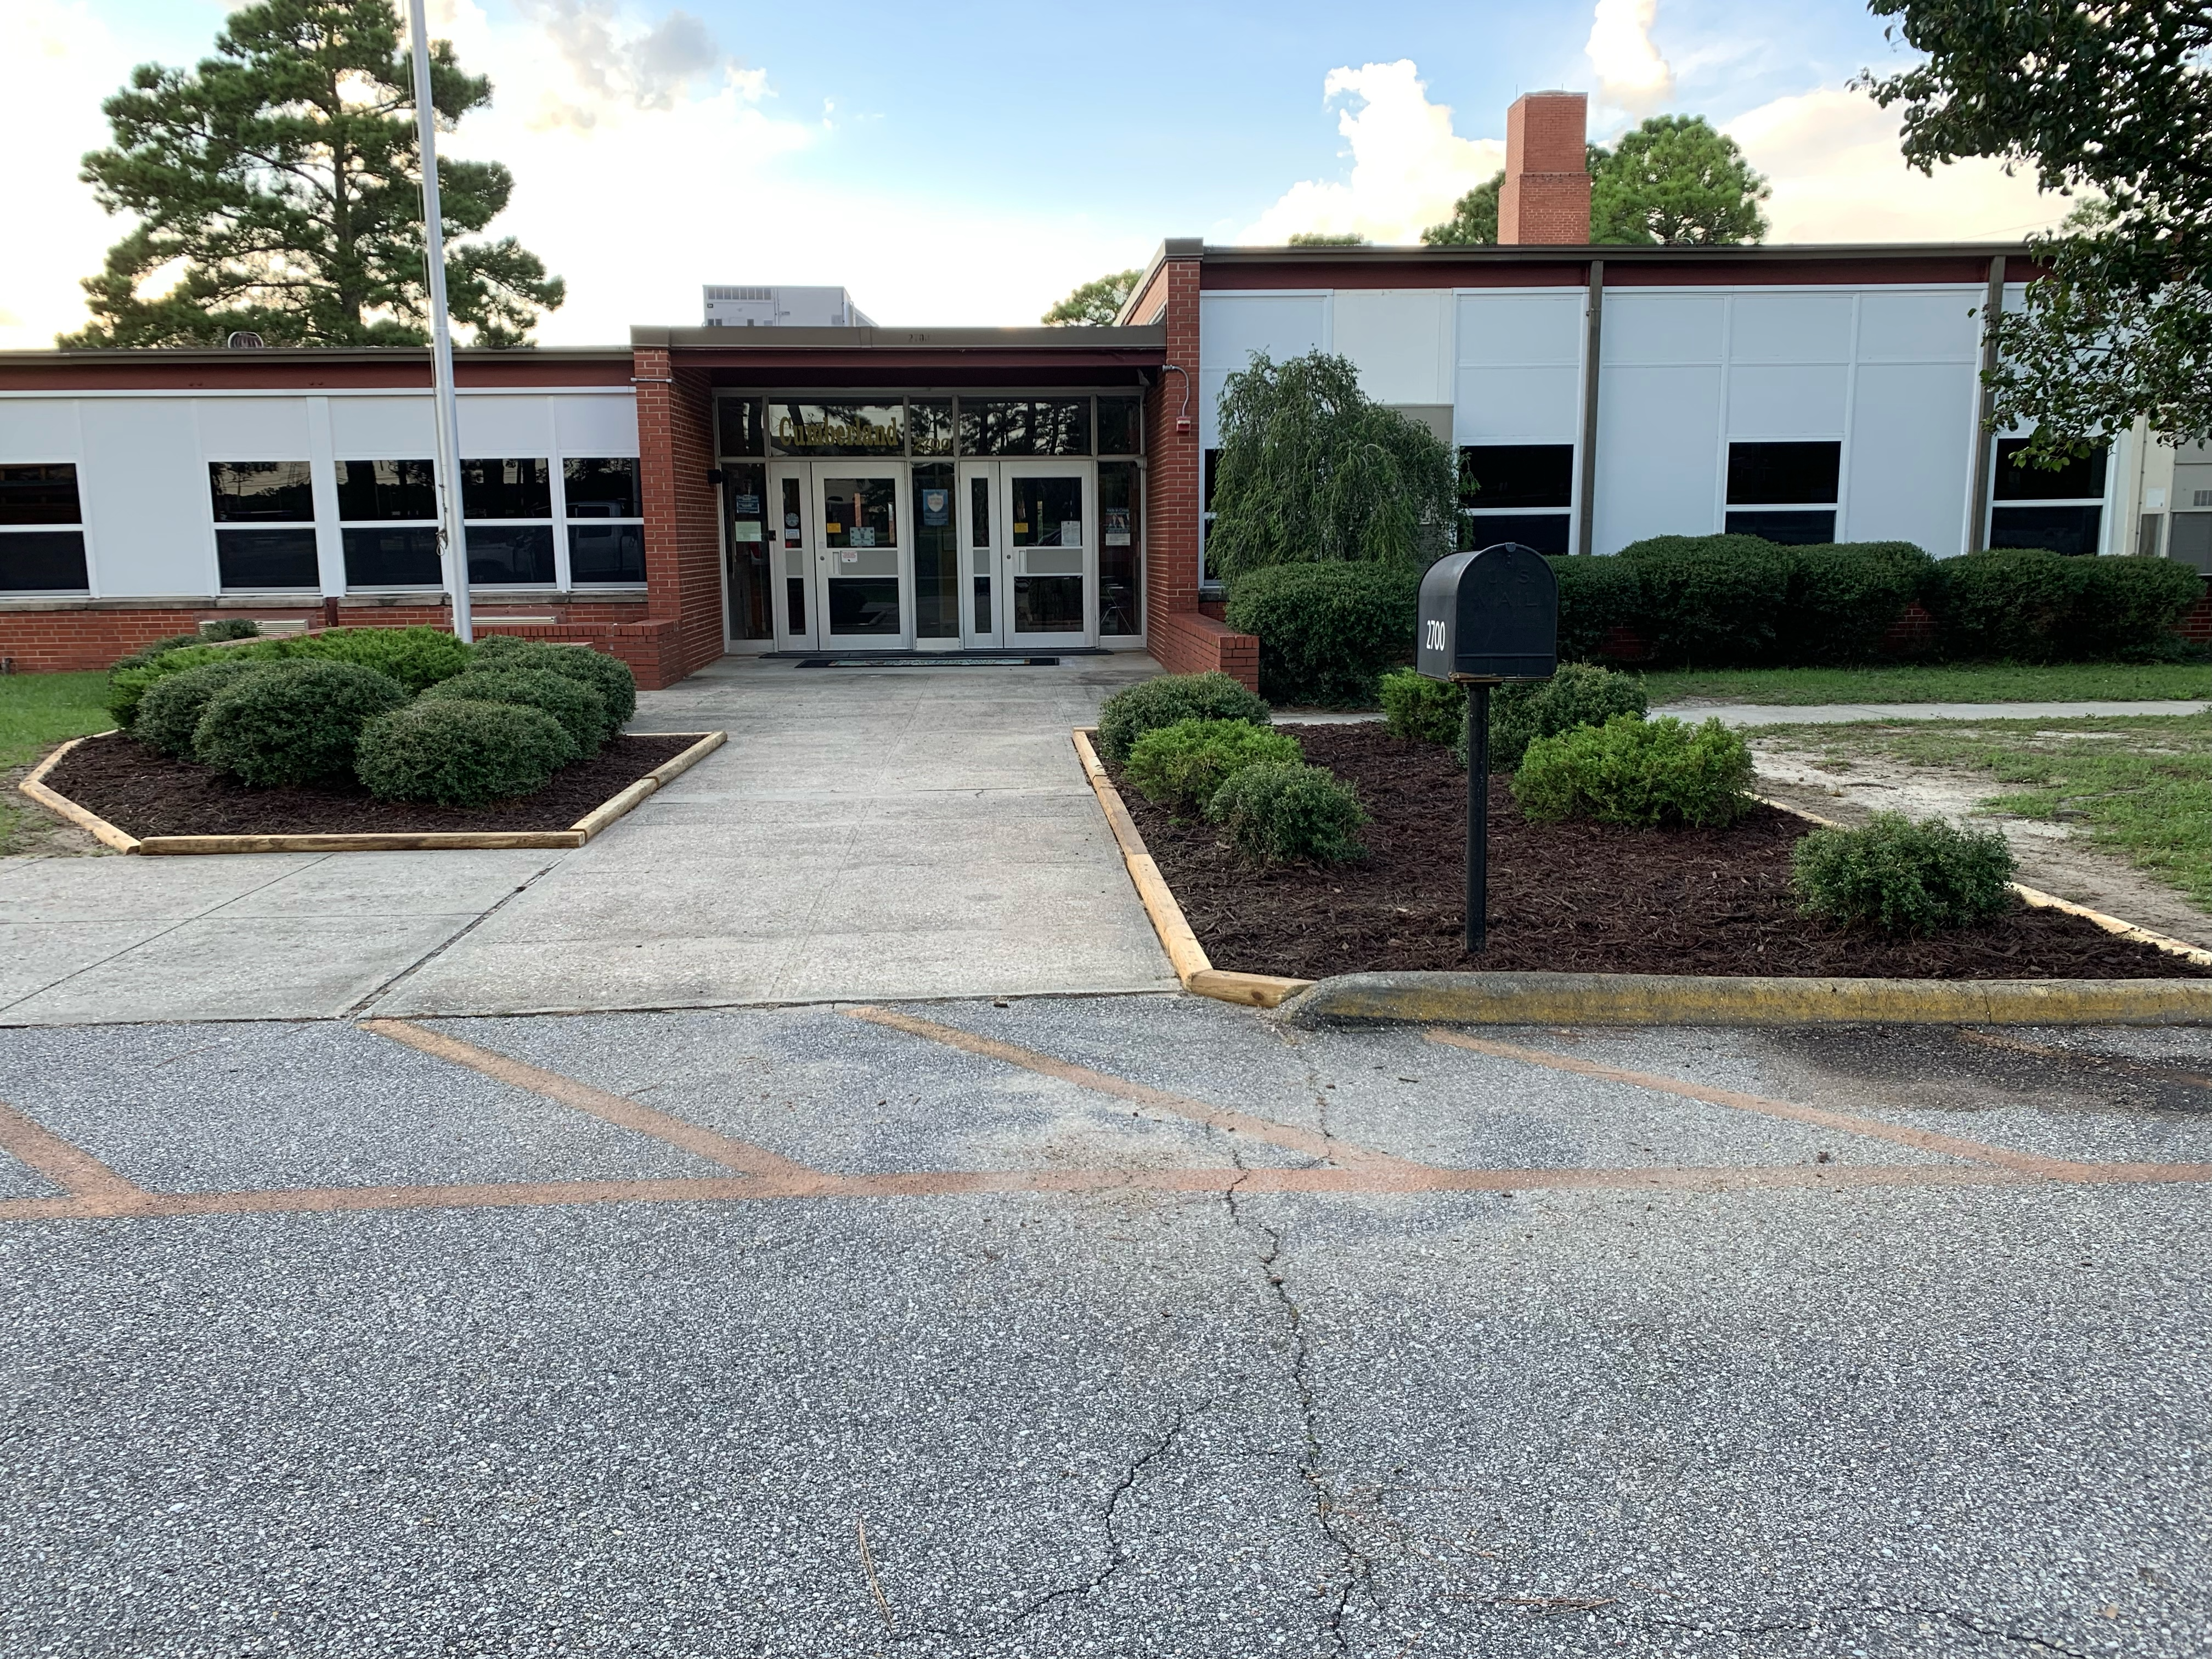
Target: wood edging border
x,y
421,841
1192,968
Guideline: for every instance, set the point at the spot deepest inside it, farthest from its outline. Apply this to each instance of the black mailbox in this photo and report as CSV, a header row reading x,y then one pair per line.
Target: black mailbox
x,y
1490,617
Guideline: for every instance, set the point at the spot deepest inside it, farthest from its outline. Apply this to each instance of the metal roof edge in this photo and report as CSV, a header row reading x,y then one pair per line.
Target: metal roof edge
x,y
877,338
309,353
1624,252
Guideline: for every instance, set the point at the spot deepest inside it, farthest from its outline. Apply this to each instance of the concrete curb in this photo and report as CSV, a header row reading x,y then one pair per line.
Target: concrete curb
x,y
1701,999
385,841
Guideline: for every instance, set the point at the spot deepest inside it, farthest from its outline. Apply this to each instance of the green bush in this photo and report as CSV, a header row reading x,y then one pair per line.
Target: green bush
x,y
1579,694
1635,771
1182,765
1423,710
128,682
2129,606
583,714
611,677
170,711
146,653
1709,600
1844,596
416,657
1328,632
1279,811
1901,877
1149,704
229,628
458,752
294,722
2015,603
1596,595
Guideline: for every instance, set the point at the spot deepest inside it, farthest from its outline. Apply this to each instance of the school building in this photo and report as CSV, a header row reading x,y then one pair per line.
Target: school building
x,y
862,488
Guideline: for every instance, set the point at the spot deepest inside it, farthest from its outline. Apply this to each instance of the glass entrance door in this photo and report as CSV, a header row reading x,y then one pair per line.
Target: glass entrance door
x,y
982,535
1049,560
792,538
863,563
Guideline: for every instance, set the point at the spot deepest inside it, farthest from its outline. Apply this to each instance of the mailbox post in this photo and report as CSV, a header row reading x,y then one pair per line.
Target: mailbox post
x,y
1487,618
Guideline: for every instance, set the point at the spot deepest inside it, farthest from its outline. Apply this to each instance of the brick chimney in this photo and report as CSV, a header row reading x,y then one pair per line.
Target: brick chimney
x,y
1545,199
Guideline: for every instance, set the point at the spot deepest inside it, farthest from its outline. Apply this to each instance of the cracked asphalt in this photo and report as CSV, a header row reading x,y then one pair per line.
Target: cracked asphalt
x,y
315,1344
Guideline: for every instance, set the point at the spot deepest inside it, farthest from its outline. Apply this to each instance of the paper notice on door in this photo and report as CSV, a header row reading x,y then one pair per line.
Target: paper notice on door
x,y
746,530
864,535
847,555
1070,532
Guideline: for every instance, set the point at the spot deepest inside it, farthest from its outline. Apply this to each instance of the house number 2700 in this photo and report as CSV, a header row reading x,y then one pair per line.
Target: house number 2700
x,y
1433,637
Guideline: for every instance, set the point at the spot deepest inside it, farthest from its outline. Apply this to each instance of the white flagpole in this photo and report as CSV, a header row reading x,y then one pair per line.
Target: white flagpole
x,y
452,535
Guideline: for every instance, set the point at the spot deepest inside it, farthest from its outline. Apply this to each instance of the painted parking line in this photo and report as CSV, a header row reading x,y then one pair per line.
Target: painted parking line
x,y
93,1188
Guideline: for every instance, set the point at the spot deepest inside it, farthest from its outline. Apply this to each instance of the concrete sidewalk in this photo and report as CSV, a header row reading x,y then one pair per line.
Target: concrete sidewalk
x,y
881,832
1839,713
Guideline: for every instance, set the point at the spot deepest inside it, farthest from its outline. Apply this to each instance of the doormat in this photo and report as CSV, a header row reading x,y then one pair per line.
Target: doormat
x,y
932,659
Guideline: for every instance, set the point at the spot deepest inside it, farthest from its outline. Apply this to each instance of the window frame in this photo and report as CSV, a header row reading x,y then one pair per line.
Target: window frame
x,y
76,529
568,522
553,521
221,527
1732,509
347,526
2000,464
1562,514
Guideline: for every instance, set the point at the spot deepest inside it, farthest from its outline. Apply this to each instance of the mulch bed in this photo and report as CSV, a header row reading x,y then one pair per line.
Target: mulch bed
x,y
1568,897
145,793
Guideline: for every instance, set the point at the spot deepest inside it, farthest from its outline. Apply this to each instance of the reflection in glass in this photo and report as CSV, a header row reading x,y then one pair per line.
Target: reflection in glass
x,y
601,487
936,554
929,423
739,424
1048,604
261,559
392,558
2082,478
836,429
387,489
1547,532
979,542
506,490
1805,527
1048,512
794,544
1121,427
1025,425
864,605
40,494
744,490
605,553
2069,530
265,492
859,512
502,555
1120,578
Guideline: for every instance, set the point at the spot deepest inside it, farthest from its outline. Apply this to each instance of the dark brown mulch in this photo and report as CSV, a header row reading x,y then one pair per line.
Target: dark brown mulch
x,y
1568,897
144,792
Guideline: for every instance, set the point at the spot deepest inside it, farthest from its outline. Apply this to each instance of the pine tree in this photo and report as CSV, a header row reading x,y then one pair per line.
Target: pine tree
x,y
283,177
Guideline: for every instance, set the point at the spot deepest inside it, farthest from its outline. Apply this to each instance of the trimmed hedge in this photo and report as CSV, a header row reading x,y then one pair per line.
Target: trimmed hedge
x,y
417,657
1182,765
1844,598
458,752
2030,605
583,714
170,711
611,677
294,722
1638,772
1279,811
1899,877
1595,596
1706,599
1328,632
1150,704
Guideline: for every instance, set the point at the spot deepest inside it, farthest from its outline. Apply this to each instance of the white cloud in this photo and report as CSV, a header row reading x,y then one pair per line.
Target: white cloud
x,y
1632,75
1407,165
1839,176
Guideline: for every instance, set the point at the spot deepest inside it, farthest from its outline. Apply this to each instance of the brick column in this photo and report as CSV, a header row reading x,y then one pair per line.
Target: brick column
x,y
683,533
1546,197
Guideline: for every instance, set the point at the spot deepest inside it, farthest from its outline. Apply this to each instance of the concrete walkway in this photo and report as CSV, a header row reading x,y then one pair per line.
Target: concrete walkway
x,y
915,832
1839,713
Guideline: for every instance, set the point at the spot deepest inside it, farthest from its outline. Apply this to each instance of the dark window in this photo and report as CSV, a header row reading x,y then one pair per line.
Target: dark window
x,y
1516,475
263,492
42,561
45,493
1213,462
1048,604
2069,530
2079,480
267,558
936,553
392,558
1120,576
604,489
1806,528
1784,474
929,426
864,605
740,426
521,553
1547,532
748,586
837,428
506,490
1121,427
369,490
1025,425
608,553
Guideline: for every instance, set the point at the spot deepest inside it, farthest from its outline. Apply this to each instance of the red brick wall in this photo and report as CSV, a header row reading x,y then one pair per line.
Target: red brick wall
x,y
682,535
2196,626
1545,199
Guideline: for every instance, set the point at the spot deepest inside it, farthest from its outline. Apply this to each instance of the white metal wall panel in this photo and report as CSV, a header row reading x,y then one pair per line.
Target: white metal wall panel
x,y
593,425
1919,328
252,429
1646,327
1517,406
1518,377
1910,454
1511,330
1797,400
500,427
1658,453
1790,328
1399,340
144,487
38,429
1232,326
399,428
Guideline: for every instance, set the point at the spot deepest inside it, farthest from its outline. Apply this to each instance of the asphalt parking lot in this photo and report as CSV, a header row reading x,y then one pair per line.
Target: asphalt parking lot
x,y
1110,1326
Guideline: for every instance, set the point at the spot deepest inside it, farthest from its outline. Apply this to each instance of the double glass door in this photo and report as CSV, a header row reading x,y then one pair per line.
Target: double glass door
x,y
1008,554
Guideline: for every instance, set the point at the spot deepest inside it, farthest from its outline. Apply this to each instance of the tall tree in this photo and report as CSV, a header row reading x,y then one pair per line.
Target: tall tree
x,y
282,179
1672,179
1312,469
2112,100
1096,303
1326,239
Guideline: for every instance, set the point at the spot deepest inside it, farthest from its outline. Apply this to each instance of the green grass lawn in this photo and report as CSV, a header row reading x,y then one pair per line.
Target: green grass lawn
x,y
2140,786
37,711
2073,682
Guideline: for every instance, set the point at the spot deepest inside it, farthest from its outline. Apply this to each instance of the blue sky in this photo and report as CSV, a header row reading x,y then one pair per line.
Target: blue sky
x,y
967,163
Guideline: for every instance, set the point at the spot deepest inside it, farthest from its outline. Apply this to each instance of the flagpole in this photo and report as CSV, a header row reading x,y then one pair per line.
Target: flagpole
x,y
452,537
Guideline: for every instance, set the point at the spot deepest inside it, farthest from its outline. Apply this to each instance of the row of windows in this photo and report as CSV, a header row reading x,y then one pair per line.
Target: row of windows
x,y
263,513
931,426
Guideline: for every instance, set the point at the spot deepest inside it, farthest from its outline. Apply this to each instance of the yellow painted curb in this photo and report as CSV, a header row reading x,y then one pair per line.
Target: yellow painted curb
x,y
1185,954
423,840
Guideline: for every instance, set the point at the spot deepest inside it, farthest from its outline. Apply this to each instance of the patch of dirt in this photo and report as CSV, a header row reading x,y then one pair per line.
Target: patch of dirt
x,y
1567,897
2049,855
29,830
145,793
